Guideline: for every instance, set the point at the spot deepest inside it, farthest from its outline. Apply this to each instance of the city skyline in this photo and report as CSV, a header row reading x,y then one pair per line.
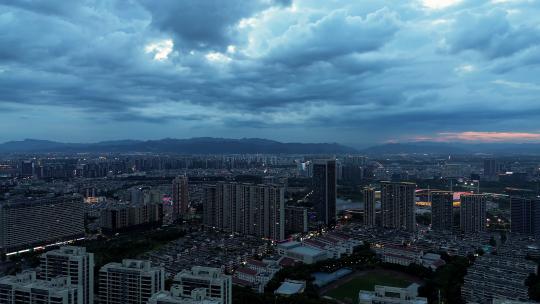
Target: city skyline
x,y
292,71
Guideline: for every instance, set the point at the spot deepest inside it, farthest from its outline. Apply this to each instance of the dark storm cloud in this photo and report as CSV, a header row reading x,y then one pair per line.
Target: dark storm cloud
x,y
202,24
492,34
297,65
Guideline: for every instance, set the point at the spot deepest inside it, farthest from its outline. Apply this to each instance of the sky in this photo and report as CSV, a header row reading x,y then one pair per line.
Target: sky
x,y
352,72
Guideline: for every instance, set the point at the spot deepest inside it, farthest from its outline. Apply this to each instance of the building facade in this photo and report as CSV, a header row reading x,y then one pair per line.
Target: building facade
x,y
398,205
27,222
122,216
324,183
492,277
472,213
217,286
369,207
525,216
391,295
247,209
129,282
180,196
441,211
296,220
26,288
73,262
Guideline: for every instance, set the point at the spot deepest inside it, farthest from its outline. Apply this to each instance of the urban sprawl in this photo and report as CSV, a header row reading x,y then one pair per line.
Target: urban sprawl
x,y
221,229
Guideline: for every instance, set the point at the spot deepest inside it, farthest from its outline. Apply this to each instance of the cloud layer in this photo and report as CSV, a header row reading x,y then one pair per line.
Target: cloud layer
x,y
355,72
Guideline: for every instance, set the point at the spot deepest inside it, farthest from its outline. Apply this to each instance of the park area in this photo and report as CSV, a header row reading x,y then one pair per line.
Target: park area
x,y
346,289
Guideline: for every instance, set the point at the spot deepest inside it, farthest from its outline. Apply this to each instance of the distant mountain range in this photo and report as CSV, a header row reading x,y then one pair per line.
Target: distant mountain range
x,y
210,145
454,148
201,145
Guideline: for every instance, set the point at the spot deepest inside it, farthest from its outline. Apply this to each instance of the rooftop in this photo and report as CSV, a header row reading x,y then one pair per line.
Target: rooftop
x,y
290,287
307,251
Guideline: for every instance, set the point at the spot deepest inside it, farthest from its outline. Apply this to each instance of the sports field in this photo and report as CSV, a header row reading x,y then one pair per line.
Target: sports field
x,y
347,290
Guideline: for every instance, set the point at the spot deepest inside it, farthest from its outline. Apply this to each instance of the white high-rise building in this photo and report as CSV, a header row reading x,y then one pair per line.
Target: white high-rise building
x,y
25,288
217,286
73,262
129,282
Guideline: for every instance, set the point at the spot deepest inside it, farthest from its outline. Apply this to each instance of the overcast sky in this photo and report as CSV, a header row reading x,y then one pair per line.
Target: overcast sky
x,y
353,72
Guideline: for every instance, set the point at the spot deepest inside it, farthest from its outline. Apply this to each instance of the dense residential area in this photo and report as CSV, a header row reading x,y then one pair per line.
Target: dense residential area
x,y
291,229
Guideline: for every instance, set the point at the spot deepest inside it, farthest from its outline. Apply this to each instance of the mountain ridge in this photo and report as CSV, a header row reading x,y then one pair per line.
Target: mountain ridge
x,y
196,145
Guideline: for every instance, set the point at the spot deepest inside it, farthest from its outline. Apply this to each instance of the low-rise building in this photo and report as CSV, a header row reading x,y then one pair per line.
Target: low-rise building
x,y
335,244
174,296
290,287
256,274
303,253
391,295
401,255
432,261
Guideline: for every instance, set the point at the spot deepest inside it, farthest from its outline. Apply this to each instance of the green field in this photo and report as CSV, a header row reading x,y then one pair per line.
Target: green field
x,y
349,290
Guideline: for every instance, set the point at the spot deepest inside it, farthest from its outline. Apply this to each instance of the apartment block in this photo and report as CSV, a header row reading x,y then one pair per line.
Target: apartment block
x,y
73,262
129,282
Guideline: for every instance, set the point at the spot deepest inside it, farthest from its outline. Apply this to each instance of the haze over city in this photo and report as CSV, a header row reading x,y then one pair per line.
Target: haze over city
x,y
352,72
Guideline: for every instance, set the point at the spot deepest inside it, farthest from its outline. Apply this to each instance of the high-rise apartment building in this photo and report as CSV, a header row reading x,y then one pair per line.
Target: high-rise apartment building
x,y
27,222
398,205
129,282
491,168
525,216
25,288
210,210
217,286
441,210
27,168
296,220
324,183
369,207
121,216
180,196
73,262
246,209
473,213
